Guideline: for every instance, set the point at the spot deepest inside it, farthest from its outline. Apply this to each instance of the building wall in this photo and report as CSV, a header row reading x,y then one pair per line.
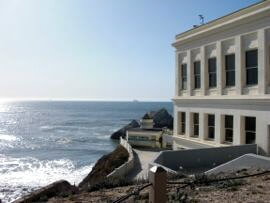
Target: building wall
x,y
144,138
238,110
219,45
241,100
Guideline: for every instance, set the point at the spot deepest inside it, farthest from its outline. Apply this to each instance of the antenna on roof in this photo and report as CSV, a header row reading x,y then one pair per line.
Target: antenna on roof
x,y
201,19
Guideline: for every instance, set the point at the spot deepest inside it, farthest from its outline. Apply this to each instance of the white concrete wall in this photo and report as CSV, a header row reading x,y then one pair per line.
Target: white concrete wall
x,y
238,40
126,167
238,111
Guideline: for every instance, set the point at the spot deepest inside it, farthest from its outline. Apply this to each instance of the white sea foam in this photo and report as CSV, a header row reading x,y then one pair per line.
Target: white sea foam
x,y
8,141
19,176
8,138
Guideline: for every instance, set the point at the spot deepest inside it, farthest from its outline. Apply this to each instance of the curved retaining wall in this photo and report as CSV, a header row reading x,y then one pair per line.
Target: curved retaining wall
x,y
126,167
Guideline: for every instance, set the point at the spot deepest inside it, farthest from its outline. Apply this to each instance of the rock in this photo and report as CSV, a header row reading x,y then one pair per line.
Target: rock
x,y
162,118
122,131
104,166
147,116
60,188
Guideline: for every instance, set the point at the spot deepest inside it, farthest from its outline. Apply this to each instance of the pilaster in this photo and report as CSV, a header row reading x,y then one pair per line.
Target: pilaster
x,y
219,128
202,126
177,75
239,65
238,131
203,71
219,68
262,62
189,72
188,124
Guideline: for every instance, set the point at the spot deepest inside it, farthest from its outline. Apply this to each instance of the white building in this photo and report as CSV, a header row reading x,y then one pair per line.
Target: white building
x,y
223,81
146,135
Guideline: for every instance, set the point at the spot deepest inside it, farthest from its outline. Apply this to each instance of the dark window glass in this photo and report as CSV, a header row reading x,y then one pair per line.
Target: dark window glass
x,y
252,76
250,128
211,132
252,58
228,135
196,124
250,137
211,126
211,120
230,69
183,122
197,74
250,123
230,62
212,67
196,130
229,128
212,64
196,118
184,76
228,121
252,67
183,116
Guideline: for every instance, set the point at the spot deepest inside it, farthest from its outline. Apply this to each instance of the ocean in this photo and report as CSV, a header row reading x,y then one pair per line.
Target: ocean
x,y
45,141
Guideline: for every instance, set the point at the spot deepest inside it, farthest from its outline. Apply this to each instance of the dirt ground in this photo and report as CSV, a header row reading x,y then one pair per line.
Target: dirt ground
x,y
252,189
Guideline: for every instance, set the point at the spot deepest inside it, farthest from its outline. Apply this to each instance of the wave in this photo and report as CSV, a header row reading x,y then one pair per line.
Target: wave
x,y
19,176
8,141
8,138
63,128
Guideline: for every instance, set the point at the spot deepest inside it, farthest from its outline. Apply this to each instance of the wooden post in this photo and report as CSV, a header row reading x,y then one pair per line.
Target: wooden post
x,y
158,177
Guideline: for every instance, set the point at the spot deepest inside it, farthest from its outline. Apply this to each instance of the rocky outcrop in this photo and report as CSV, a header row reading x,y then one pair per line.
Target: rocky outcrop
x,y
60,188
162,119
122,131
104,166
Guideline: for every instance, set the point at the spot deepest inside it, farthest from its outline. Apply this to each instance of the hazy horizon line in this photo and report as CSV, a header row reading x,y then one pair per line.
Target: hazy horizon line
x,y
80,99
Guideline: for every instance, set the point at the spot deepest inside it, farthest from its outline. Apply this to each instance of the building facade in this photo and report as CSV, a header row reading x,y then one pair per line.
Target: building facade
x,y
222,94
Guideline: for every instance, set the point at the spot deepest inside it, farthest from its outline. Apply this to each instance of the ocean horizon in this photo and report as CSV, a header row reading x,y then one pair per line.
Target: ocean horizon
x,y
45,141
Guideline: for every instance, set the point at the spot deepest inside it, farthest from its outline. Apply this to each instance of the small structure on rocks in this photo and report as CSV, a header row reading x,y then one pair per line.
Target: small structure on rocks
x,y
147,122
147,135
153,120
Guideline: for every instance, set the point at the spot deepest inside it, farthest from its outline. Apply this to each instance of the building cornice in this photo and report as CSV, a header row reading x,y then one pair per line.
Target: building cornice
x,y
252,12
241,100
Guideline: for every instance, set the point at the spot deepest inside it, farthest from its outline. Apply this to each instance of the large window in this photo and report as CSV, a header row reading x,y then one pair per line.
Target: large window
x,y
230,70
252,67
196,125
212,72
228,128
197,74
183,123
250,129
184,76
211,126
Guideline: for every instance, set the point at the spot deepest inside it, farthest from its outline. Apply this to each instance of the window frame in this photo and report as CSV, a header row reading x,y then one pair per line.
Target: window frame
x,y
212,73
250,68
183,76
228,128
197,75
196,125
228,70
183,123
211,126
250,131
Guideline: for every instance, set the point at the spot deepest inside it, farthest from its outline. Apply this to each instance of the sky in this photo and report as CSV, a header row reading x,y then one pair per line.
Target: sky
x,y
96,49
